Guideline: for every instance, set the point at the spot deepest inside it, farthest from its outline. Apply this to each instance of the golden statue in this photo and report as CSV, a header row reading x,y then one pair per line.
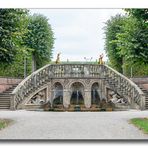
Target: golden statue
x,y
58,58
101,59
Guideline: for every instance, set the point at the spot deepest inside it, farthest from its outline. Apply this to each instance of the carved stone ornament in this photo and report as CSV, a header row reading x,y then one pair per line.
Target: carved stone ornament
x,y
39,98
87,81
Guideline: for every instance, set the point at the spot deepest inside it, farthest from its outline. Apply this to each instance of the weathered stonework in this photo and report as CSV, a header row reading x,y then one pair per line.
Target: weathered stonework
x,y
58,82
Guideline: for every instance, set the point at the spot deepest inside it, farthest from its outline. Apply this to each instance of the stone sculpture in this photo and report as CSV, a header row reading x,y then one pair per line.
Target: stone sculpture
x,y
38,99
117,99
101,59
58,58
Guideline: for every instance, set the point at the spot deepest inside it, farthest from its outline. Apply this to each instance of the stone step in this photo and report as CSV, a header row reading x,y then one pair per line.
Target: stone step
x,y
4,100
5,97
7,91
4,105
1,101
5,108
3,94
2,108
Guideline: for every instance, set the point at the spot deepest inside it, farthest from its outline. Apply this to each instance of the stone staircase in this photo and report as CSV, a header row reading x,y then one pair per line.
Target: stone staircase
x,y
146,96
5,98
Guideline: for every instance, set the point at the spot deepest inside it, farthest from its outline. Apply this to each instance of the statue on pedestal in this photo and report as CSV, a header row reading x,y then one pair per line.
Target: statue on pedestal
x,y
58,58
101,59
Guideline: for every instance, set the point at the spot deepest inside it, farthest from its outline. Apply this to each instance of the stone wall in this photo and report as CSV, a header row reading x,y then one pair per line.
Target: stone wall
x,y
6,83
143,82
140,80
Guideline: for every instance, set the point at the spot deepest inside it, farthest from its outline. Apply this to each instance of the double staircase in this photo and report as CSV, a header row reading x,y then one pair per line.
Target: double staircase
x,y
109,77
5,98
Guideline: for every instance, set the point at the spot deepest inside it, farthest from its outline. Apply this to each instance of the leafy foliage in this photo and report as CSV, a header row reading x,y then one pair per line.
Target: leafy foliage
x,y
12,27
112,28
22,36
130,42
16,69
140,14
40,39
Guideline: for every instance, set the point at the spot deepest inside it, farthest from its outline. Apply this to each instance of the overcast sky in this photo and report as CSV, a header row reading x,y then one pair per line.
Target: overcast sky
x,y
79,32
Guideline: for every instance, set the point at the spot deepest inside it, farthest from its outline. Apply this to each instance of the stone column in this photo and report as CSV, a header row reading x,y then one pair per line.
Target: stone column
x,y
142,102
49,93
12,102
66,98
87,98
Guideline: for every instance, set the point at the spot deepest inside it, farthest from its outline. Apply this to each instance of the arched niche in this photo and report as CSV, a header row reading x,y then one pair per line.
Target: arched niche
x,y
95,94
57,94
77,94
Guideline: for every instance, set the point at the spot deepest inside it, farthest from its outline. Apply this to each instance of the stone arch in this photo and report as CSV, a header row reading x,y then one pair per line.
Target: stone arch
x,y
57,94
95,94
55,81
76,80
77,93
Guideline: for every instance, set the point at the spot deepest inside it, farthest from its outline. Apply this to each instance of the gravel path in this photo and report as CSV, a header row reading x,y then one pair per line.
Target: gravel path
x,y
72,125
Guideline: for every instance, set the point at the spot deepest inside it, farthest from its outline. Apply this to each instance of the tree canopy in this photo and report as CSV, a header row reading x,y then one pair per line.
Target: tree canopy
x,y
140,14
13,24
40,39
128,42
23,38
112,28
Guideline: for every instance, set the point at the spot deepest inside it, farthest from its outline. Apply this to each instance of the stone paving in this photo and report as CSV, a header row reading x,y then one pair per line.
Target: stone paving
x,y
72,125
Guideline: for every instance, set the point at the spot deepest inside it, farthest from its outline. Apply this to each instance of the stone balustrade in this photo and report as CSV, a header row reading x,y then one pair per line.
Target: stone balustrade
x,y
39,78
125,87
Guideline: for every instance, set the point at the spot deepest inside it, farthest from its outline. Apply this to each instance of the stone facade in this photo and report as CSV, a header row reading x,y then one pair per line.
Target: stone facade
x,y
60,83
47,93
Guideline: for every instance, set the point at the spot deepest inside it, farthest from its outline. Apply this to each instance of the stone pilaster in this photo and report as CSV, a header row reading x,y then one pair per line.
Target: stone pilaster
x,y
66,98
12,102
49,93
87,98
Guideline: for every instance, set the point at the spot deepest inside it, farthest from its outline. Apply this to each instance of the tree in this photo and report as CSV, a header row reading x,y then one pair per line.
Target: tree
x,y
40,39
140,14
112,28
13,24
132,42
129,42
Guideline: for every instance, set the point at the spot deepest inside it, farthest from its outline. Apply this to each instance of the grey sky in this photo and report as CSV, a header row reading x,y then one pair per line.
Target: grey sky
x,y
79,32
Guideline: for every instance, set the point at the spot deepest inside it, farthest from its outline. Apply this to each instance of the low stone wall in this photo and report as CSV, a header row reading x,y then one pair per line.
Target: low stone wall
x,y
143,82
140,80
6,83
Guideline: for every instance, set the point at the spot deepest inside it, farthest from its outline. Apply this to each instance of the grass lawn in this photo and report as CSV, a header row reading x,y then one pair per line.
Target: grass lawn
x,y
141,123
4,123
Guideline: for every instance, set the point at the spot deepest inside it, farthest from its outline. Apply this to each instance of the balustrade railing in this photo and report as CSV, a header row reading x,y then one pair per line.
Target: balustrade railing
x,y
125,86
43,75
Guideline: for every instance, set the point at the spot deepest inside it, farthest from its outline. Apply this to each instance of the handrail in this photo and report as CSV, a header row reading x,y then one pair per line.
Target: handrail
x,y
127,87
27,78
131,82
